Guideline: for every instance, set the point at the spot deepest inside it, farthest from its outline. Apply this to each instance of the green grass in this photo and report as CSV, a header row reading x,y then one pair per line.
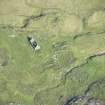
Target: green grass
x,y
38,78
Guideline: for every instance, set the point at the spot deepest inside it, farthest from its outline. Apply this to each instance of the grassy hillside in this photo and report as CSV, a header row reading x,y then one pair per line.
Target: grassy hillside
x,y
69,69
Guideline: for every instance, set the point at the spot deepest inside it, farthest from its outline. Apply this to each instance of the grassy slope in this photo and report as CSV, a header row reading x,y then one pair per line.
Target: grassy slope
x,y
44,77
